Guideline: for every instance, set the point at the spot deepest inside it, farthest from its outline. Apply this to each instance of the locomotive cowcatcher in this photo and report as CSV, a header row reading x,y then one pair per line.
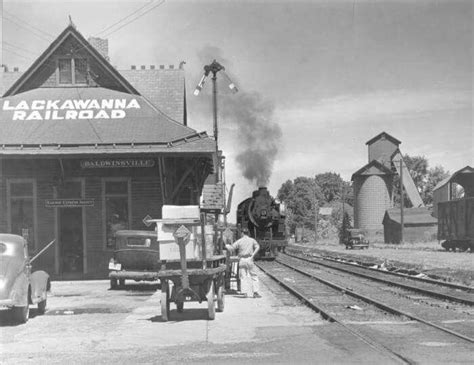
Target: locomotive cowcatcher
x,y
265,219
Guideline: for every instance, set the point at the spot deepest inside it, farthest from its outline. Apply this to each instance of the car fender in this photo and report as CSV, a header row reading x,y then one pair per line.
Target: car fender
x,y
19,292
40,285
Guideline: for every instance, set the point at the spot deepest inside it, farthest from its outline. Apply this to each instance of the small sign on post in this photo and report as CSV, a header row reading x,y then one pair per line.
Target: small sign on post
x,y
147,221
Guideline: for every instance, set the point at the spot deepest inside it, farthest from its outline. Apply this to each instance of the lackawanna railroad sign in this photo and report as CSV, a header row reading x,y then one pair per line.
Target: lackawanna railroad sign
x,y
70,109
116,163
68,203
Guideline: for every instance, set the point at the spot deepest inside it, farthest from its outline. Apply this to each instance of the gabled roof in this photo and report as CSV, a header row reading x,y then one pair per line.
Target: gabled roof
x,y
463,177
164,88
383,135
373,168
84,45
465,170
411,216
50,125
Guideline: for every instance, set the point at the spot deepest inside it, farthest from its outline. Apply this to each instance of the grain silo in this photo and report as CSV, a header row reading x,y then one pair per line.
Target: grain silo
x,y
373,185
372,197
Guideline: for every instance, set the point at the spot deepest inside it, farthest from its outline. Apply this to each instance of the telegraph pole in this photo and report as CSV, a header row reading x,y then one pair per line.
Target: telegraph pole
x,y
402,202
213,68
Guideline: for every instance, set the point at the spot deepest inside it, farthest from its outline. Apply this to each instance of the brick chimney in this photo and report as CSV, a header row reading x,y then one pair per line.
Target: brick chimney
x,y
101,45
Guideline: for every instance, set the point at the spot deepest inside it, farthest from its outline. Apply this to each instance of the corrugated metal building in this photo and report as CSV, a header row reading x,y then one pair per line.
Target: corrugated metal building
x,y
86,150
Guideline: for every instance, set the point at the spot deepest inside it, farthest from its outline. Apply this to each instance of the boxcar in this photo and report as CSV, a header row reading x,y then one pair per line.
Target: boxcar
x,y
456,224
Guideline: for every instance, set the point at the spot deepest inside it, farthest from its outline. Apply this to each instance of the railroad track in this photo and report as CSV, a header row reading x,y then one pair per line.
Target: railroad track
x,y
300,251
337,302
437,289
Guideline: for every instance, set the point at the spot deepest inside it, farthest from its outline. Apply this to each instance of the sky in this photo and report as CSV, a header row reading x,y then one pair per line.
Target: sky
x,y
316,79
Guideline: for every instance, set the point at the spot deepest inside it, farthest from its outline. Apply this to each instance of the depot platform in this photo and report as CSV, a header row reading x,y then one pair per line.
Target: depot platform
x,y
86,322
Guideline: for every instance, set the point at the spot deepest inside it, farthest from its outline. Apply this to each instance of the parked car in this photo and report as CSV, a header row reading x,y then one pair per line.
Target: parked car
x,y
355,238
136,257
18,286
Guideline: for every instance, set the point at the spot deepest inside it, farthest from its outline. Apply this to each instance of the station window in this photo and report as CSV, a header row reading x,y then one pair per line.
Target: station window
x,y
72,71
22,209
116,196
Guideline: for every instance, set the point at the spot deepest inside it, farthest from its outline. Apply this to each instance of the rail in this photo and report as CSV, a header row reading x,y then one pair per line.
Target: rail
x,y
379,304
326,314
457,297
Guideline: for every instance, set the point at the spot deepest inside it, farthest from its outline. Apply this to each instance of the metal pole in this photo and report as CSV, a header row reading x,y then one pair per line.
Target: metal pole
x,y
315,219
402,202
214,105
44,249
343,209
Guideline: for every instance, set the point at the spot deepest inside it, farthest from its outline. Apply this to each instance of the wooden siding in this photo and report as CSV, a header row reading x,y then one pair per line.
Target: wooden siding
x,y
145,199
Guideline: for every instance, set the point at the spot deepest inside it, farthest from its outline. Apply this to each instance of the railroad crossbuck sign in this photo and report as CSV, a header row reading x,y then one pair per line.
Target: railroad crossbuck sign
x,y
146,220
182,233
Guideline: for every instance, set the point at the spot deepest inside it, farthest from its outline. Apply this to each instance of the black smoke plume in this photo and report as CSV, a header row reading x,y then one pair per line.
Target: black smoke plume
x,y
257,137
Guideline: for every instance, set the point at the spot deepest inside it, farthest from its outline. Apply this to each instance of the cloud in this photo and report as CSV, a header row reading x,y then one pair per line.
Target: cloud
x,y
330,134
377,105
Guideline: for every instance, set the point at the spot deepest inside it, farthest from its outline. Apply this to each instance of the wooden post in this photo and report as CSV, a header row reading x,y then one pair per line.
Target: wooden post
x,y
203,235
402,202
181,236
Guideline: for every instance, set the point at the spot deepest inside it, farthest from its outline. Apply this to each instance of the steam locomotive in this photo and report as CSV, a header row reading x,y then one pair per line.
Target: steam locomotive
x,y
265,219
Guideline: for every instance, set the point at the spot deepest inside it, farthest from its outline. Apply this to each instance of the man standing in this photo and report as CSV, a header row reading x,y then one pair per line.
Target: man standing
x,y
247,248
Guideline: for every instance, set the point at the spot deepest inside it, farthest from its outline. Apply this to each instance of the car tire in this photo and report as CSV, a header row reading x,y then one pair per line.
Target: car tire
x,y
21,314
42,306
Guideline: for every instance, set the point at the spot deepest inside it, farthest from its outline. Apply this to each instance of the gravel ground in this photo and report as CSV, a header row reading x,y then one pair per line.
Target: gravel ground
x,y
428,258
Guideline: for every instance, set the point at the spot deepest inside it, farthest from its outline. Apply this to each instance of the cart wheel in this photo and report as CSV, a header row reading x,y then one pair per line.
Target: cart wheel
x,y
180,307
220,299
165,302
211,307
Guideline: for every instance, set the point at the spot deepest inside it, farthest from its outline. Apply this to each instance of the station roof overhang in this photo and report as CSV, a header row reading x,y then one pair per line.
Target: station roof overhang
x,y
74,121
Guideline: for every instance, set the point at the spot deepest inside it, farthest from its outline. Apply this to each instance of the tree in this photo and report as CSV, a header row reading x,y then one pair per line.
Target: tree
x,y
425,179
435,175
301,197
345,226
418,167
304,196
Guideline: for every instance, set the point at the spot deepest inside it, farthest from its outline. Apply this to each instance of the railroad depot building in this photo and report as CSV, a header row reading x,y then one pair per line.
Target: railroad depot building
x,y
86,150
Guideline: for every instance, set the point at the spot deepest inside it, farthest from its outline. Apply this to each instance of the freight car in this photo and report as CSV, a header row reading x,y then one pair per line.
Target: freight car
x,y
265,219
456,224
456,216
